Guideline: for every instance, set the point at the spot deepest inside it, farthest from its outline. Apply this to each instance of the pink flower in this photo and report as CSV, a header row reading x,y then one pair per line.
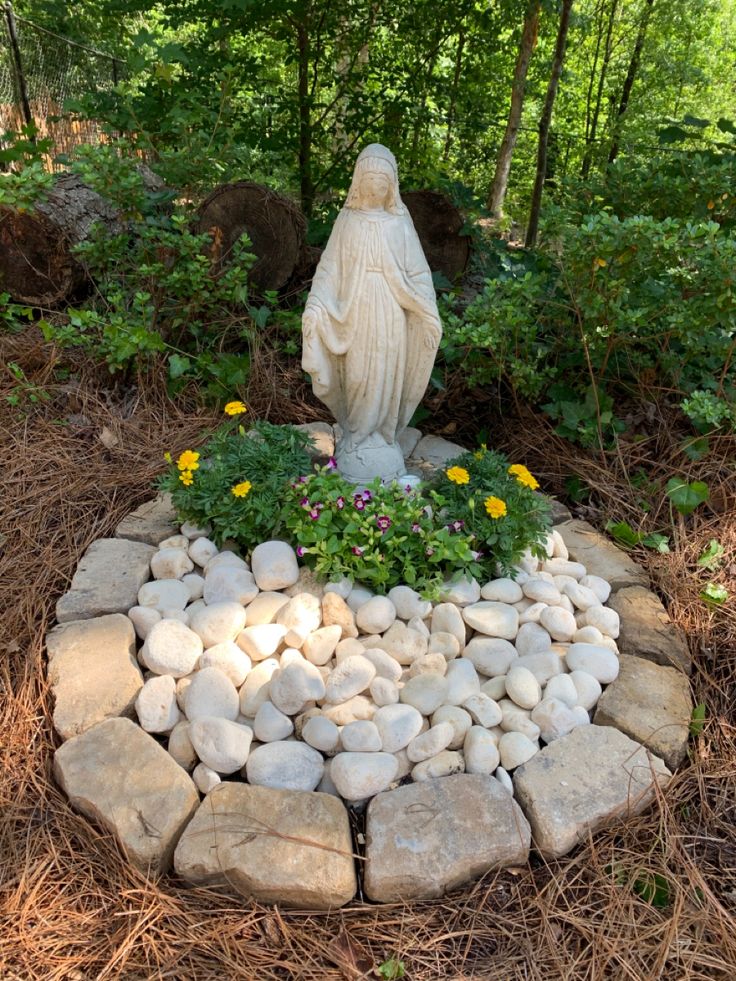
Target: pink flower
x,y
314,515
429,551
340,503
357,550
359,504
383,521
416,527
305,502
332,463
367,496
300,550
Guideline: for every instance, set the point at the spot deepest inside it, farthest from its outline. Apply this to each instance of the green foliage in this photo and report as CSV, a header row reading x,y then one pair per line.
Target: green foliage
x,y
712,555
13,316
626,536
380,535
24,392
697,719
686,496
502,540
267,458
708,412
714,594
392,969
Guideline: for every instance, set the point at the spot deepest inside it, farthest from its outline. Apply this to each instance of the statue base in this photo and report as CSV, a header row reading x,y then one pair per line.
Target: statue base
x,y
372,458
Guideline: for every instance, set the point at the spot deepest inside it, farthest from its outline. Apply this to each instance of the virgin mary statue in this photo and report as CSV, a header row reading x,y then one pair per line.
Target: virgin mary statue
x,y
370,327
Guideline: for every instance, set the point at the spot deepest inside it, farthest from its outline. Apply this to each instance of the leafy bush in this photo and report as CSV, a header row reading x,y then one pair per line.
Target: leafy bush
x,y
239,481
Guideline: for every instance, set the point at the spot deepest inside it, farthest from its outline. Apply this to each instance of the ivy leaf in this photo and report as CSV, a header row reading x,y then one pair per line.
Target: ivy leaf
x,y
686,497
658,542
714,594
712,554
624,533
178,366
696,449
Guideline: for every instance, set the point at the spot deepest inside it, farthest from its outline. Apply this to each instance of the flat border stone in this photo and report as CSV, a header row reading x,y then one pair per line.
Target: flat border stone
x,y
107,580
151,523
646,629
600,556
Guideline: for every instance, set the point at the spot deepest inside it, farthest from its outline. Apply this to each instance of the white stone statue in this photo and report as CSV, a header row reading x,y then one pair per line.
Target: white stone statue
x,y
370,327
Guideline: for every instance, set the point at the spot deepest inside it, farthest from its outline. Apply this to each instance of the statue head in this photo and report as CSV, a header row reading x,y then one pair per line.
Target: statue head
x,y
375,161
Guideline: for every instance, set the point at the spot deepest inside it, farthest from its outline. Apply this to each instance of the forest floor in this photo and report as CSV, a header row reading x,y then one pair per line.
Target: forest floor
x,y
652,898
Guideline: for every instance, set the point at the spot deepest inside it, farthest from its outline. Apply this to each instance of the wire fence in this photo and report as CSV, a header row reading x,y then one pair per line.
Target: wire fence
x,y
39,72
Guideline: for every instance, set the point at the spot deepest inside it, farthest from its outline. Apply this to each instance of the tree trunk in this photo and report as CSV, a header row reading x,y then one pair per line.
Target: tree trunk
x,y
305,121
528,42
453,93
590,138
630,78
36,262
544,124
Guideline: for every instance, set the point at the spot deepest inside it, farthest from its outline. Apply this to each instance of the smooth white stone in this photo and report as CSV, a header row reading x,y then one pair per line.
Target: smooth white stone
x,y
532,639
426,692
462,681
514,749
270,724
343,587
156,705
181,616
483,710
202,550
164,594
144,618
405,765
320,645
348,647
211,693
274,565
301,616
220,744
443,643
461,592
181,687
403,644
543,665
555,719
604,619
194,608
180,746
456,717
563,567
175,541
262,640
480,751
504,779
230,659
447,618
588,689
532,613
193,531
600,587
225,558
409,603
229,584
444,764
376,616
541,592
610,643
419,625
218,623
321,734
559,623
491,655
171,648
523,688
287,765
205,778
361,737
397,725
581,597
170,563
588,635
495,688
255,689
502,591
430,743
559,549
384,691
562,687
492,619
195,584
516,719
358,597
523,605
428,664
354,710
361,775
264,607
296,684
385,665
351,677
599,661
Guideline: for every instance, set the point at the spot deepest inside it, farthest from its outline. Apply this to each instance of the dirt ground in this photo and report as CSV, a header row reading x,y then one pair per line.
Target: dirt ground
x,y
652,898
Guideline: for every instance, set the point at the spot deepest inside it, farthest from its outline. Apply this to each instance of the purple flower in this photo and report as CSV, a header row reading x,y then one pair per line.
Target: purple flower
x,y
416,527
383,521
332,463
300,550
477,555
359,504
340,503
305,502
314,515
357,550
302,480
367,496
456,526
429,551
408,488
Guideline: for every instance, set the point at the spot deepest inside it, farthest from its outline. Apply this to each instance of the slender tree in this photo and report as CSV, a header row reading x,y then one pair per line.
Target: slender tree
x,y
545,121
528,41
630,78
593,114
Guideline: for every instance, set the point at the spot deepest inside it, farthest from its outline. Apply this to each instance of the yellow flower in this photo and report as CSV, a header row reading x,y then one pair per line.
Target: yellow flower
x,y
186,477
523,476
495,507
188,461
479,454
458,475
240,490
235,408
599,263
167,457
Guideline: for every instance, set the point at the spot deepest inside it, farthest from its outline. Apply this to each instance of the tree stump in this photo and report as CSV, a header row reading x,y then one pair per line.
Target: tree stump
x,y
272,222
438,223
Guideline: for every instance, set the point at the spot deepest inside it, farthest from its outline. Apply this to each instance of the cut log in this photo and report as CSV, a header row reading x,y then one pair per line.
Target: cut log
x,y
438,223
36,263
273,223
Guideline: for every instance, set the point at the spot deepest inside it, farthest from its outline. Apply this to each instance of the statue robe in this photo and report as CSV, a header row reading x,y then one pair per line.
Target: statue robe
x,y
375,306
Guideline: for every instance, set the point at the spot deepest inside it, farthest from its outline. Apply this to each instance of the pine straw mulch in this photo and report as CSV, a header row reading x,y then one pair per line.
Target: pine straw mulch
x,y
653,898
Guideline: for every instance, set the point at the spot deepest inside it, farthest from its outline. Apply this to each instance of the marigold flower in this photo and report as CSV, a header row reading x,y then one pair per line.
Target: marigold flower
x,y
235,408
188,460
186,477
240,490
458,475
495,507
524,476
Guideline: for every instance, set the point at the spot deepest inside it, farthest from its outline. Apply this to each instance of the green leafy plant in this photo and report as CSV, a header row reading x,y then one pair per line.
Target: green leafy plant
x,y
707,411
697,719
625,535
24,391
712,554
238,482
714,594
13,316
684,496
380,535
392,969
